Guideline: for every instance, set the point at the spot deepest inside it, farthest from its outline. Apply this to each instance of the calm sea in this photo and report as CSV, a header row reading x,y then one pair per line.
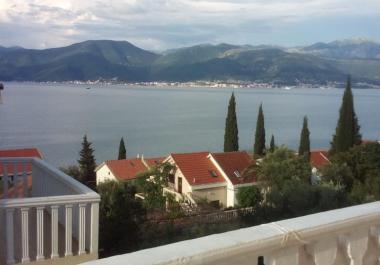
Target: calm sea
x,y
157,121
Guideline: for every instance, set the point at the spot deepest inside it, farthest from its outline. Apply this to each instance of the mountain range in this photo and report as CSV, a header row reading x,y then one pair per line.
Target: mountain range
x,y
120,60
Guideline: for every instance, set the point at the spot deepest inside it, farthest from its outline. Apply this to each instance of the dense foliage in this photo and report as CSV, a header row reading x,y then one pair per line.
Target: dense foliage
x,y
120,218
347,130
259,146
231,137
283,165
358,171
151,184
249,197
73,171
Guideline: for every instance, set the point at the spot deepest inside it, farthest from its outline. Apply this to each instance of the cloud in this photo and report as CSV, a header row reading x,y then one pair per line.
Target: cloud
x,y
160,24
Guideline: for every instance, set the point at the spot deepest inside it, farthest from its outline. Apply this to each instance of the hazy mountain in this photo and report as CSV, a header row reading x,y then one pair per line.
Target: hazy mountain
x,y
346,49
81,61
257,64
92,60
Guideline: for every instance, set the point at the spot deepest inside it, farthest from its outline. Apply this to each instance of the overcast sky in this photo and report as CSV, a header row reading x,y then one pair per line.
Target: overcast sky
x,y
164,24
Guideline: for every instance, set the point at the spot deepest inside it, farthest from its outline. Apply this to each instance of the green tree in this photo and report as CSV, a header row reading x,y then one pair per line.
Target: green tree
x,y
272,145
358,170
122,150
73,171
231,137
347,132
152,182
281,166
249,197
304,148
259,147
120,216
87,163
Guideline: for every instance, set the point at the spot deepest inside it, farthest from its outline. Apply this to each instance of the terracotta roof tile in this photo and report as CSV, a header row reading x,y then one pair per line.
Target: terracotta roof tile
x,y
18,190
29,152
234,164
319,158
197,168
154,161
128,169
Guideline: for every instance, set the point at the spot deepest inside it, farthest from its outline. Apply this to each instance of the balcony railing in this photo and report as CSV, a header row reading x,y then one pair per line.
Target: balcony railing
x,y
345,236
45,214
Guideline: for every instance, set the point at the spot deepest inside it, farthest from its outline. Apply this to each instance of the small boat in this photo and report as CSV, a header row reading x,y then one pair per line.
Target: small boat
x,y
1,86
88,87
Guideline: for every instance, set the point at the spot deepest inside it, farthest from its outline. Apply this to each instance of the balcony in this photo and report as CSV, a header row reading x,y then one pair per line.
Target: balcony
x,y
345,236
46,217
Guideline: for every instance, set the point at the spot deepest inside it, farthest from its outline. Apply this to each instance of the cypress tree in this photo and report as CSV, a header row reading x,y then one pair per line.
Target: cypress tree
x,y
259,147
87,163
231,137
272,145
122,150
347,132
304,148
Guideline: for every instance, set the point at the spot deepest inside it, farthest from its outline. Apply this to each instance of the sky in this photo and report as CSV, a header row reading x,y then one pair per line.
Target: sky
x,y
164,24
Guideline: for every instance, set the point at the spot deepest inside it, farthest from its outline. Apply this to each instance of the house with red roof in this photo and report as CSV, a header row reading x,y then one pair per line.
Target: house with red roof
x,y
318,159
125,169
212,176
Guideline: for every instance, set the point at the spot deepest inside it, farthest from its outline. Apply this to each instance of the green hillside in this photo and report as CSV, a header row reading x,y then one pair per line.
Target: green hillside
x,y
120,60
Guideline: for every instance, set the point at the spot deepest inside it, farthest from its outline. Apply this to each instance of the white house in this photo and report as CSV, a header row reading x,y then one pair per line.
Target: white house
x,y
124,170
212,176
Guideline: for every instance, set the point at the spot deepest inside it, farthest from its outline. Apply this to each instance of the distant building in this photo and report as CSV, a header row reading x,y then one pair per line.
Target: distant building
x,y
124,170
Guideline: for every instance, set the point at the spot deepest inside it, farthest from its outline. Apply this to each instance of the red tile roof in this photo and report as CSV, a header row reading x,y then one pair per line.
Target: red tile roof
x,y
128,169
28,152
154,161
197,168
233,164
18,190
319,158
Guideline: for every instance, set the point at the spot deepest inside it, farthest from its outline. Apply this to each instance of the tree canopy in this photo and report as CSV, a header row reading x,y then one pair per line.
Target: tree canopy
x,y
122,150
87,163
272,145
347,132
151,183
231,137
282,165
304,147
120,216
259,146
249,196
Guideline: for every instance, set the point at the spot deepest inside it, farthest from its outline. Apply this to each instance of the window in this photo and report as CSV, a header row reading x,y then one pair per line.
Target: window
x,y
213,173
237,173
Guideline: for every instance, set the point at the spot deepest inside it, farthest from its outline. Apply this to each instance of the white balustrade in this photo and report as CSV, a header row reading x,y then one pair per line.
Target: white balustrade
x,y
53,194
9,224
82,228
54,232
339,237
69,230
25,234
40,233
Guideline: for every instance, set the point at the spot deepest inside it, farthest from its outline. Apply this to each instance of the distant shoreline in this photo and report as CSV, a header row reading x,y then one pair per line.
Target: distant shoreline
x,y
207,84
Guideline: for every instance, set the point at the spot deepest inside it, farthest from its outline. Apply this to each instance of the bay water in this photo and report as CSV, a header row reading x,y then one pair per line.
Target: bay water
x,y
156,121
